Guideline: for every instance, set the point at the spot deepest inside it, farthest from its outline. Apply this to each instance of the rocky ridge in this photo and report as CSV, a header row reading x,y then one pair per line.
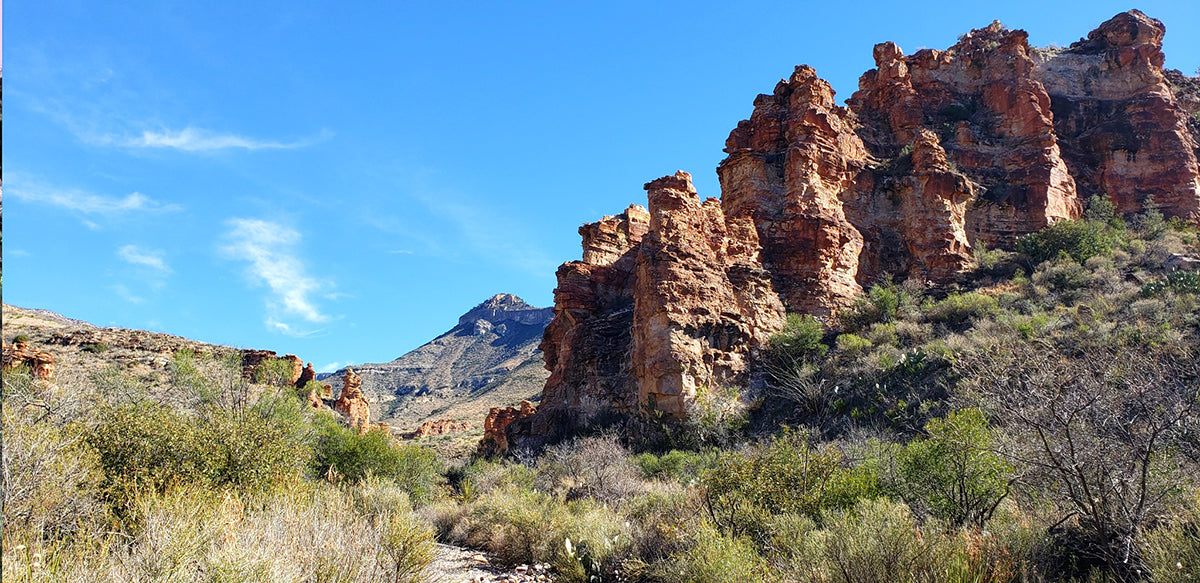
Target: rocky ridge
x,y
489,359
937,154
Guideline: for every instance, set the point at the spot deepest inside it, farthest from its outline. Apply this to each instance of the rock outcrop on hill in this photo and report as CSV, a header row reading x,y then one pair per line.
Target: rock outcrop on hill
x,y
490,359
39,362
936,154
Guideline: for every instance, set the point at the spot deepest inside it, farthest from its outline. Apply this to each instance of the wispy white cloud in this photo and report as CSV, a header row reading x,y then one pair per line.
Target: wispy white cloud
x,y
270,249
191,139
150,258
334,366
26,188
127,295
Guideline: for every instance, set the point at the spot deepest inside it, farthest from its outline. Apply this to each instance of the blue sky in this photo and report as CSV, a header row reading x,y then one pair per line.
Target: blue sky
x,y
342,180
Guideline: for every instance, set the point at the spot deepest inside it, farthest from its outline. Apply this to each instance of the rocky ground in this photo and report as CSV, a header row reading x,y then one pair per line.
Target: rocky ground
x,y
454,565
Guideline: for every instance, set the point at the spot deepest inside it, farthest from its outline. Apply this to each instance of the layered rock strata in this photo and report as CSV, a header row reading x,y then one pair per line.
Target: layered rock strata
x,y
936,154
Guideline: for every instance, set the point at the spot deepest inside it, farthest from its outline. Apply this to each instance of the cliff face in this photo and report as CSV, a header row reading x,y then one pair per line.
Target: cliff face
x,y
936,153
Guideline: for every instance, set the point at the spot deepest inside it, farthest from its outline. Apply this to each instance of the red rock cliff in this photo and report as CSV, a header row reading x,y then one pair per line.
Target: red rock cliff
x,y
936,153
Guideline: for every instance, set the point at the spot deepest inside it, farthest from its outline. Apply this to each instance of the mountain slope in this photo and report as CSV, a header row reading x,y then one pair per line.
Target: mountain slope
x,y
489,359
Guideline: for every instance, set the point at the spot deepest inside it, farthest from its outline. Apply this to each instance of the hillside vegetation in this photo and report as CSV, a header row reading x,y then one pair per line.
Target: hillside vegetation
x,y
1037,421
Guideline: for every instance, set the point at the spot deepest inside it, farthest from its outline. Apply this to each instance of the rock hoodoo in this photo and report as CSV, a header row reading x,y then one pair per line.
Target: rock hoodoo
x,y
353,404
936,153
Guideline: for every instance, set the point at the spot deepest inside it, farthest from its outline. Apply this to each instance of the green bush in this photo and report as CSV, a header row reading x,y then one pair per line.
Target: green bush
x,y
661,519
149,446
800,339
273,371
716,416
877,541
20,338
518,526
1172,550
717,558
145,446
1183,282
959,311
95,347
852,344
1079,240
787,476
954,473
881,303
682,466
342,451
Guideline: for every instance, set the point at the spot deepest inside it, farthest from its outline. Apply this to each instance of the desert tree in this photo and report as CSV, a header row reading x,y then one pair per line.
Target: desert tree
x,y
1100,429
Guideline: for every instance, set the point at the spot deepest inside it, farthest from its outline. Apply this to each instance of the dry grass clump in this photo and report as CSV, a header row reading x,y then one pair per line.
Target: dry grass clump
x,y
314,533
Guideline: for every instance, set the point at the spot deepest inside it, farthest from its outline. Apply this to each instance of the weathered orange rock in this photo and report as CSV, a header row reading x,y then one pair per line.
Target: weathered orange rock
x,y
935,154
496,424
437,427
40,363
789,167
297,368
252,359
1124,133
306,375
353,404
693,327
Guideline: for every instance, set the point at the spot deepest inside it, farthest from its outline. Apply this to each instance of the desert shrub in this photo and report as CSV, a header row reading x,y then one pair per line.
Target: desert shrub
x,y
343,451
660,520
1172,550
526,526
877,541
802,385
881,303
595,467
1100,434
852,343
954,473
1183,282
796,548
257,448
20,338
95,347
273,371
716,558
481,476
958,311
49,479
311,533
788,475
144,446
682,466
1078,240
716,416
800,339
1064,277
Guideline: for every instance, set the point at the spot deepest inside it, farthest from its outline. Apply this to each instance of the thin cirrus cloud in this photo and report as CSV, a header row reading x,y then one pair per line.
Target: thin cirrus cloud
x,y
192,139
28,189
148,258
270,250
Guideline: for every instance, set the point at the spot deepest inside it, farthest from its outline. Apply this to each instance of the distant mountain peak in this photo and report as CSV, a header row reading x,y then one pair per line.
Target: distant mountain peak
x,y
505,308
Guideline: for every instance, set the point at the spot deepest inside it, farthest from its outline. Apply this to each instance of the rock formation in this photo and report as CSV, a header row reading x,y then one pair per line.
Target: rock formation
x,y
496,424
40,363
935,154
305,376
436,427
353,404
